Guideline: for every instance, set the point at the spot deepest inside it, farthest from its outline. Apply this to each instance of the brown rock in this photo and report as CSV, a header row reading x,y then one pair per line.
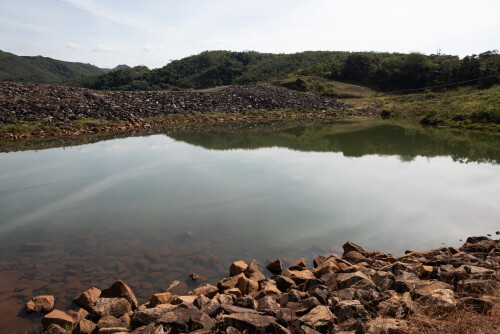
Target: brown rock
x,y
426,288
185,320
319,318
354,257
253,272
56,329
186,300
386,325
438,301
161,298
253,323
109,321
350,246
40,304
325,268
346,280
120,290
237,268
59,318
299,276
146,316
300,263
88,298
275,267
111,306
229,282
84,326
206,289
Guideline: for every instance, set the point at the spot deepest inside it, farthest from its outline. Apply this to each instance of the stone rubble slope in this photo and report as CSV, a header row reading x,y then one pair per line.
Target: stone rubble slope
x,y
61,105
360,292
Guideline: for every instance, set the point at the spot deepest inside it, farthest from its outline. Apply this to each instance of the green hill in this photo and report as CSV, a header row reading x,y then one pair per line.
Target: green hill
x,y
376,70
42,69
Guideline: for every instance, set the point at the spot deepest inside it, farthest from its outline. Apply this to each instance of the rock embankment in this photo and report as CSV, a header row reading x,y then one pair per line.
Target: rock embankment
x,y
360,292
61,105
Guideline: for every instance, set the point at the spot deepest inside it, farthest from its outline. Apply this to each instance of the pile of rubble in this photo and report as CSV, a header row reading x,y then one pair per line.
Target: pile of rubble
x,y
360,292
61,105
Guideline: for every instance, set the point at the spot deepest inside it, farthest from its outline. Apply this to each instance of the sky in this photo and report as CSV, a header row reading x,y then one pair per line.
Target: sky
x,y
154,32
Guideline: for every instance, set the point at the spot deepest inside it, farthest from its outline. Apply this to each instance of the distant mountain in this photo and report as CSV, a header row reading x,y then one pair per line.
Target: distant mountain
x,y
42,69
121,67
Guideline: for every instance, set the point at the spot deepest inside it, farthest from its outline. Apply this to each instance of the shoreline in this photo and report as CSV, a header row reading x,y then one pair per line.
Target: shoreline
x,y
30,110
443,289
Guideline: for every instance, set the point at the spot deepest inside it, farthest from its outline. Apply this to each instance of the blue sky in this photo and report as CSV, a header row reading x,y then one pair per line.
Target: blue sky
x,y
153,32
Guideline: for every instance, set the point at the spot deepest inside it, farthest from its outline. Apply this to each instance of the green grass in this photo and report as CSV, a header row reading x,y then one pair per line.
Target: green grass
x,y
322,86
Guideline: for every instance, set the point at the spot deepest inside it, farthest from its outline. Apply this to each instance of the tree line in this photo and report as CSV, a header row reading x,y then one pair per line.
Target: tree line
x,y
378,70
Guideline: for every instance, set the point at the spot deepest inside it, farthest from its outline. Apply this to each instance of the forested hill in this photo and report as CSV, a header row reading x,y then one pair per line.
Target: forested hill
x,y
381,71
42,69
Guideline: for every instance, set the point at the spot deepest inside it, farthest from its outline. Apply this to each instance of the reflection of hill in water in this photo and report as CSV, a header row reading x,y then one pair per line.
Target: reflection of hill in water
x,y
353,141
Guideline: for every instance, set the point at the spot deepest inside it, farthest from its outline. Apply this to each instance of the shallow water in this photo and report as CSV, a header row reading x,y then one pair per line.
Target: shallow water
x,y
152,209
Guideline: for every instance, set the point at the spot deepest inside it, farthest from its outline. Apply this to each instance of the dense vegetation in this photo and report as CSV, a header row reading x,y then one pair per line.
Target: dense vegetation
x,y
380,71
42,69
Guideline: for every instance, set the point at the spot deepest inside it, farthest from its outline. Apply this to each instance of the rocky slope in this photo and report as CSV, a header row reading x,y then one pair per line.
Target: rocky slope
x,y
360,292
61,105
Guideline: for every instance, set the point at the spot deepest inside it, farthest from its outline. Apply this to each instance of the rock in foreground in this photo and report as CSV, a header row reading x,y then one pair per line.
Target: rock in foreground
x,y
362,292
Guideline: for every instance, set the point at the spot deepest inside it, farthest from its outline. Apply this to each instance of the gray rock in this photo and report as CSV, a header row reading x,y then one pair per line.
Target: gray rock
x,y
185,320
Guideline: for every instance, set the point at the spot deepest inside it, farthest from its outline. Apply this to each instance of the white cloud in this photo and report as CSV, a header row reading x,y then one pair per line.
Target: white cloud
x,y
103,48
149,48
75,46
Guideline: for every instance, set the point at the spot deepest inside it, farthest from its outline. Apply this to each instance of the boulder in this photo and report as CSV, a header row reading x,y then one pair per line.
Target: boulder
x,y
479,244
111,306
247,302
59,318
325,268
354,257
438,301
114,330
319,318
267,287
230,309
283,283
268,305
184,320
109,321
206,289
299,276
348,309
229,283
237,268
253,272
346,280
40,304
386,326
84,326
275,267
251,322
350,246
303,306
161,298
120,290
56,329
425,288
88,298
151,328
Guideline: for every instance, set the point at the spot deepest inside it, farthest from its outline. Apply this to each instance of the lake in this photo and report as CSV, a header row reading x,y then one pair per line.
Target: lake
x,y
154,208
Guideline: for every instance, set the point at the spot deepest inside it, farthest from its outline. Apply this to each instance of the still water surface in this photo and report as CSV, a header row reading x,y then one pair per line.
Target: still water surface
x,y
152,209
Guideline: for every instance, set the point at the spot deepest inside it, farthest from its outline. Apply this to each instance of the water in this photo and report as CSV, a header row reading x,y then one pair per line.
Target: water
x,y
152,209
